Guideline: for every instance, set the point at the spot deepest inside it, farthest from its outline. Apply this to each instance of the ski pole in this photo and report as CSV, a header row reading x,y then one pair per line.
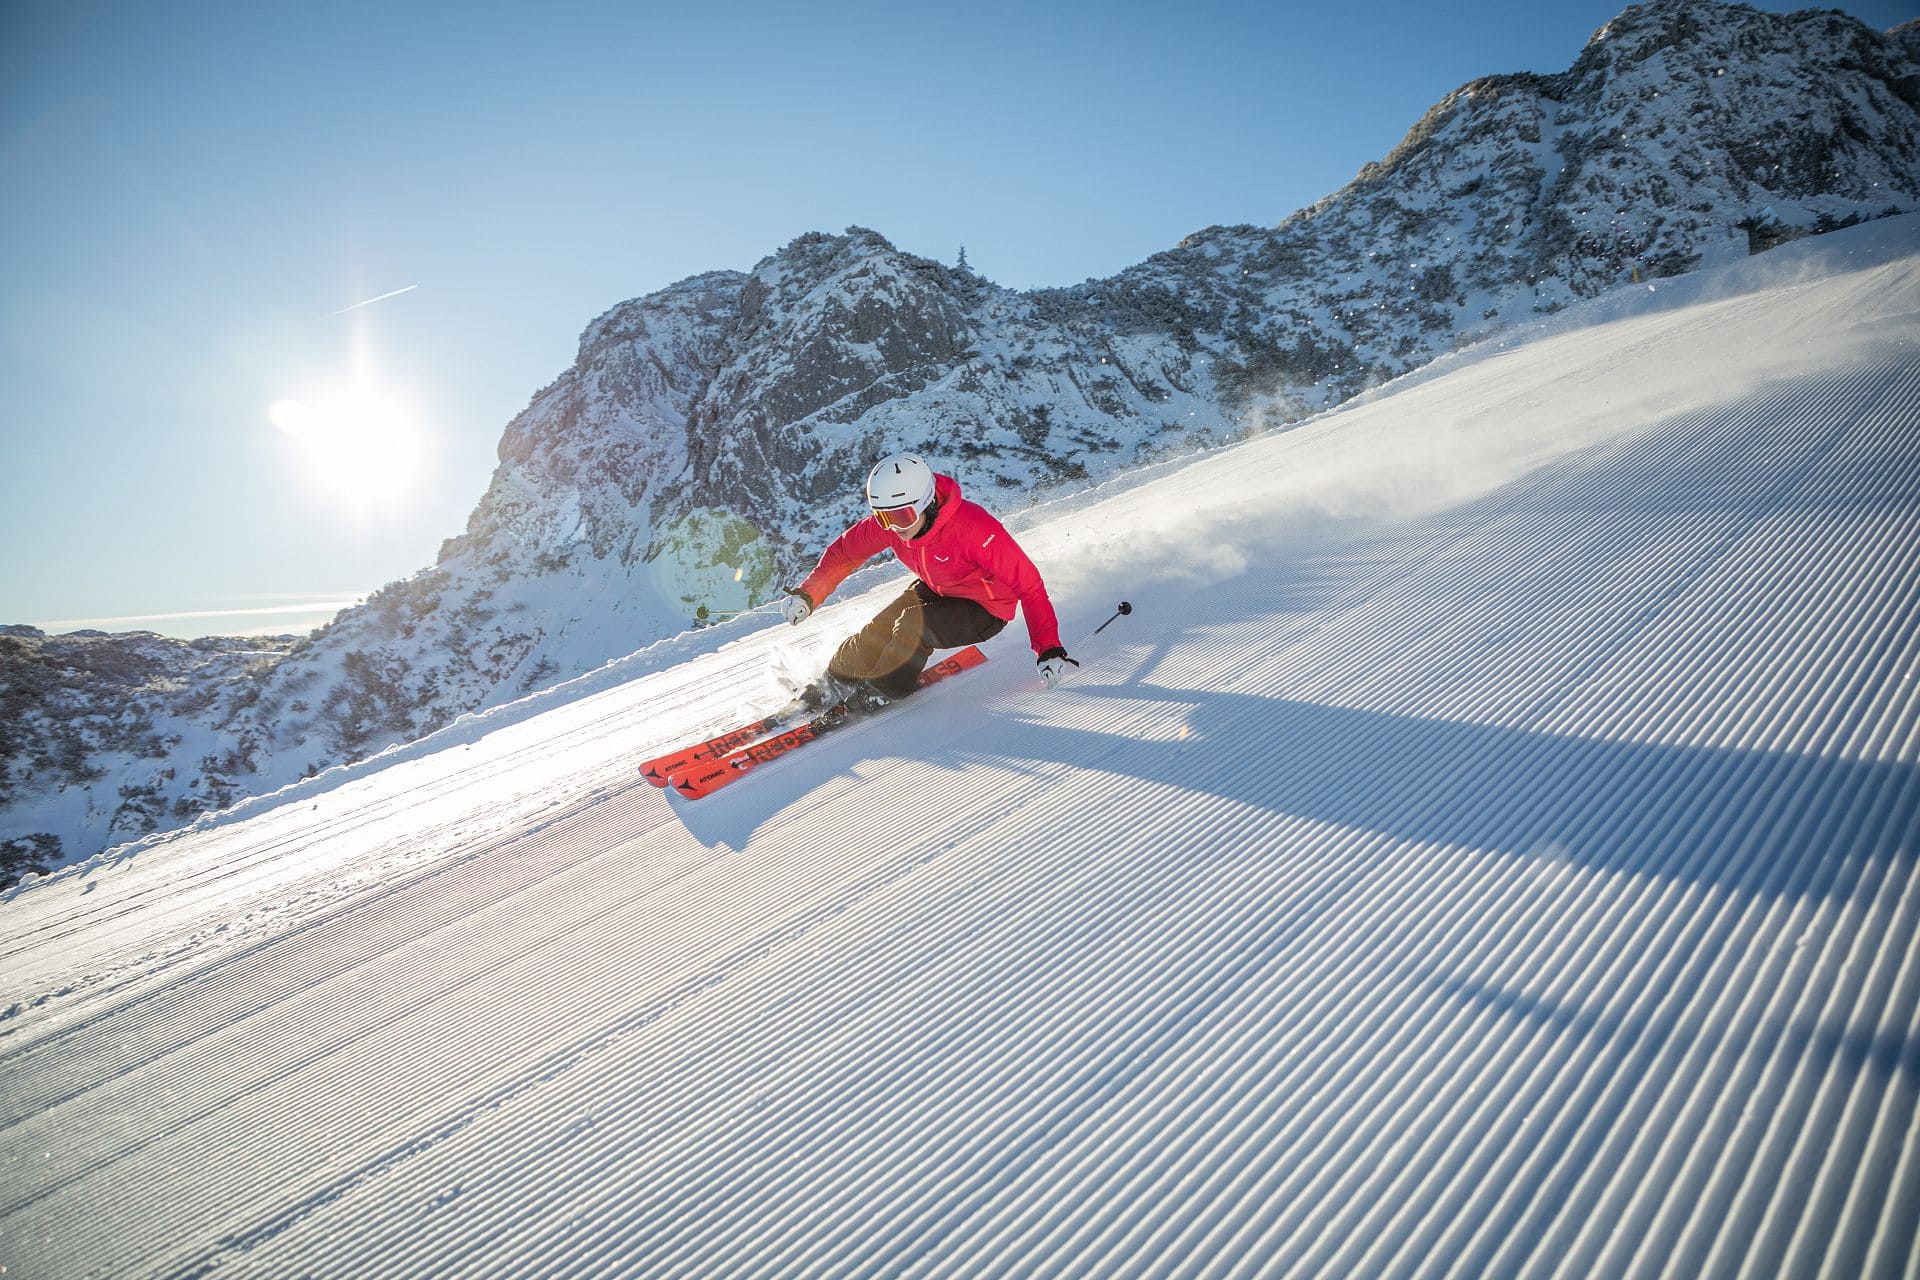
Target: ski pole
x,y
703,614
1121,612
1060,672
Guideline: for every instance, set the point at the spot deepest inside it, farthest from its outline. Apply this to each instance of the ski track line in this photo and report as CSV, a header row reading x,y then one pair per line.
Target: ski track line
x,y
371,815
653,792
619,717
329,901
1829,1182
592,790
296,1051
184,987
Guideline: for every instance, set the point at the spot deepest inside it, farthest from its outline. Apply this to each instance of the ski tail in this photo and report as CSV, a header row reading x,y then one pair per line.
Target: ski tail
x,y
707,774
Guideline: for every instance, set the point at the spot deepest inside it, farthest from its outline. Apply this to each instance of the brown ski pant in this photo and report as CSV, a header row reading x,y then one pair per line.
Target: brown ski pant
x,y
891,651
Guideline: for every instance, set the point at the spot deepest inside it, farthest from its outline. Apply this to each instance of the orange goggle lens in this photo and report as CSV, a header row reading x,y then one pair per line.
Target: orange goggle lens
x,y
897,517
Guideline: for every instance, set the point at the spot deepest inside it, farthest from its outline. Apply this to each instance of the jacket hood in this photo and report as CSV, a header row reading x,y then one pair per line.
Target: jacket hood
x,y
946,491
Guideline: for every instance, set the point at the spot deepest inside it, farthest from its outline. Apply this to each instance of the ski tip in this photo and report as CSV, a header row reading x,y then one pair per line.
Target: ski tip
x,y
688,788
695,781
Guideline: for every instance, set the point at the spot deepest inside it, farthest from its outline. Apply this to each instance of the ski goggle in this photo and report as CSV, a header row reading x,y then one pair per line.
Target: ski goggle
x,y
897,518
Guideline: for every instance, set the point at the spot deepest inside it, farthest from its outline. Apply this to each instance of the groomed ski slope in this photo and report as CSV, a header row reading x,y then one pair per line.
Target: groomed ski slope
x,y
1487,850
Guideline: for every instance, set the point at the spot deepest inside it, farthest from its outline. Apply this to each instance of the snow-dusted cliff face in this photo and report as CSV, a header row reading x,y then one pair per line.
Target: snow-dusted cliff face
x,y
1687,132
711,436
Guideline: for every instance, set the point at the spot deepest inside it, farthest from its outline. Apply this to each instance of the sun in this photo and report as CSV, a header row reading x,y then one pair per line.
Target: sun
x,y
360,446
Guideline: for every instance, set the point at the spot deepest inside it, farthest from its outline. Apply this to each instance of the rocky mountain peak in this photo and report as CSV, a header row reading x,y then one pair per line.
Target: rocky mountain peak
x,y
830,327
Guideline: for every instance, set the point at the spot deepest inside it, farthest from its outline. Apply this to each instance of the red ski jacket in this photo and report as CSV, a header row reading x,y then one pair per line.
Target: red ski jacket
x,y
967,553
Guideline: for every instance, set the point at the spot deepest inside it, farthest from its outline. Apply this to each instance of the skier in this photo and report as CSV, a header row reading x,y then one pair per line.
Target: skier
x,y
971,577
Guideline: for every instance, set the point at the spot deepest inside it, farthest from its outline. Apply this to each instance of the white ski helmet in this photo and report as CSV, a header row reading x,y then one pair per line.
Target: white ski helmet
x,y
899,490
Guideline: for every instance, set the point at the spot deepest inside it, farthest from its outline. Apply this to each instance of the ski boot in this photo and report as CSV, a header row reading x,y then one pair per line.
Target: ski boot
x,y
858,696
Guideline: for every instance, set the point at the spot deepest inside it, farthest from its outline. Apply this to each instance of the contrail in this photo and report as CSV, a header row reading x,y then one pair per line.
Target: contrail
x,y
369,302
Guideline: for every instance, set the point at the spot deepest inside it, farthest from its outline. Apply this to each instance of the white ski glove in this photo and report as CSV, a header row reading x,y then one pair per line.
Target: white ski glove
x,y
796,607
1053,666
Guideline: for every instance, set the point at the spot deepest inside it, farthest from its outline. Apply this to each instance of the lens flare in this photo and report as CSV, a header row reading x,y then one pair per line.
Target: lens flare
x,y
361,445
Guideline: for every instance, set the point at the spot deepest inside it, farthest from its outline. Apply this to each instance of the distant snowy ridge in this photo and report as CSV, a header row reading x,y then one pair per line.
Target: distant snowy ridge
x,y
709,436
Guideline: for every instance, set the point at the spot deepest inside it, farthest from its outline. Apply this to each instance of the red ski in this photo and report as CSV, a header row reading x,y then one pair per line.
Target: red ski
x,y
704,774
657,769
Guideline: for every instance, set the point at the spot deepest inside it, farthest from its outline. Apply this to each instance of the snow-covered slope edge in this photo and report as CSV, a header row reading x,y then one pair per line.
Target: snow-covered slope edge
x,y
1486,850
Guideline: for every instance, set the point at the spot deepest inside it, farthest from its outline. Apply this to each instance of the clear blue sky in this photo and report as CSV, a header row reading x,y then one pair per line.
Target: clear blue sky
x,y
196,193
